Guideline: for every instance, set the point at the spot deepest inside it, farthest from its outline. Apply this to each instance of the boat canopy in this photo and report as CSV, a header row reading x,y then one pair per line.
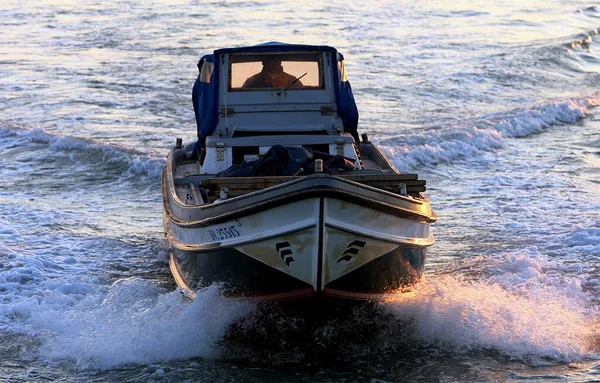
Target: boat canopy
x,y
205,94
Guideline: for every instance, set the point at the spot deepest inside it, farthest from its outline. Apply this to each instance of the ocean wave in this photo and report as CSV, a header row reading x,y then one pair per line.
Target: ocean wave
x,y
448,144
79,153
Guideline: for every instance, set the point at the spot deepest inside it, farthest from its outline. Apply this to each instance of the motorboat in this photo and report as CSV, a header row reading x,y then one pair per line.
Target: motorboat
x,y
280,198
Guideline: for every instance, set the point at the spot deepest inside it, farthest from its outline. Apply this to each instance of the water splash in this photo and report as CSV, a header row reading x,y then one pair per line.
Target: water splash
x,y
136,322
526,312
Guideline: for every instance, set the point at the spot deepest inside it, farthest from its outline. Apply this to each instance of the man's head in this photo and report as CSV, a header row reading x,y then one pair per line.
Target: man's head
x,y
272,65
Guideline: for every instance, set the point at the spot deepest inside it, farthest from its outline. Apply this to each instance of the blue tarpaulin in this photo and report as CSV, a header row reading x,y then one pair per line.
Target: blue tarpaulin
x,y
206,98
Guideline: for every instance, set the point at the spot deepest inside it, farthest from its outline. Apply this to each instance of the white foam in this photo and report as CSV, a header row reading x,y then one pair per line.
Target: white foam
x,y
135,322
585,239
431,147
522,312
27,280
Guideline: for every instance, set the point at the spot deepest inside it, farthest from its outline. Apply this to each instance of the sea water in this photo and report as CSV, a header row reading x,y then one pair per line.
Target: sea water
x,y
492,103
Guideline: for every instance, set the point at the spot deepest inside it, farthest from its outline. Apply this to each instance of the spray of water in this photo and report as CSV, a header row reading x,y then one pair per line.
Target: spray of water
x,y
523,313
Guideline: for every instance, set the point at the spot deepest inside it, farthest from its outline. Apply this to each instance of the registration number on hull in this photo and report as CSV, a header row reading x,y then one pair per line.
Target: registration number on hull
x,y
223,233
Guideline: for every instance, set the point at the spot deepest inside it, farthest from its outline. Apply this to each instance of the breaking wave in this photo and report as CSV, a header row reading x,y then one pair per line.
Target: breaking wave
x,y
79,153
432,147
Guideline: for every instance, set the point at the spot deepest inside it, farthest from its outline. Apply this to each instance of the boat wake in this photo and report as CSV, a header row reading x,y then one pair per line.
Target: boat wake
x,y
457,142
533,326
135,322
522,307
33,148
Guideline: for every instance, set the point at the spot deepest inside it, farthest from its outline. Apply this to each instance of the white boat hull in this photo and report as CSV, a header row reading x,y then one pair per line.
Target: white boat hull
x,y
319,244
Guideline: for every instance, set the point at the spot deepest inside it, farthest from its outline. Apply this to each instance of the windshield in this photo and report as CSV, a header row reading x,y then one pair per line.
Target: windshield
x,y
250,72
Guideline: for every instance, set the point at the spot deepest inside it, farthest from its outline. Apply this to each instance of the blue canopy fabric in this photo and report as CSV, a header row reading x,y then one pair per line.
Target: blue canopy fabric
x,y
206,101
205,95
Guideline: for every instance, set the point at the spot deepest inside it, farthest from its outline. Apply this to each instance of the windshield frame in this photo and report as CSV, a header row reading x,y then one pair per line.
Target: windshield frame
x,y
291,57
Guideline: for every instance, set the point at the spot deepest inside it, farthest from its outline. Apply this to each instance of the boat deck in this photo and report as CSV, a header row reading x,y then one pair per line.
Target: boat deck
x,y
194,188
